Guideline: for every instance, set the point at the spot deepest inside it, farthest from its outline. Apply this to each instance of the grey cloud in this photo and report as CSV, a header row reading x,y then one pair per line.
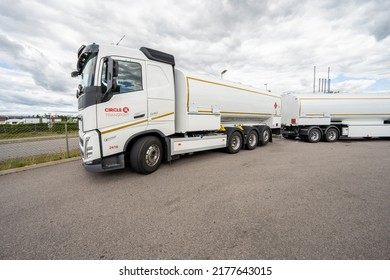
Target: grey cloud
x,y
382,30
10,47
33,61
21,20
379,23
31,100
364,16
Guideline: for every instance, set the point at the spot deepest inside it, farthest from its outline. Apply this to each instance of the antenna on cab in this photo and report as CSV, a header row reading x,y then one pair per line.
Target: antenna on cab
x,y
120,40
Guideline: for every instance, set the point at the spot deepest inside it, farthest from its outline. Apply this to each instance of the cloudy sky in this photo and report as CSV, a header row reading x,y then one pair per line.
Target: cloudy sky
x,y
259,42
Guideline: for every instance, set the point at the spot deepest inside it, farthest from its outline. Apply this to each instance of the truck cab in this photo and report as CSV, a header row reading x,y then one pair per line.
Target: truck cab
x,y
123,94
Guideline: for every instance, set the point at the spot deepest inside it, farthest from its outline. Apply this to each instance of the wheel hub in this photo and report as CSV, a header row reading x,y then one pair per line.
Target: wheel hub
x,y
152,155
315,135
266,135
331,135
236,143
252,139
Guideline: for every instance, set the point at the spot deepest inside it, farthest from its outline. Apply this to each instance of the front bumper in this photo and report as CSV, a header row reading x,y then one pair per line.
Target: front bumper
x,y
90,150
105,164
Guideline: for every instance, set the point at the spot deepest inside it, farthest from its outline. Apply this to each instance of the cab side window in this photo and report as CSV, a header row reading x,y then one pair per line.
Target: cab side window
x,y
129,77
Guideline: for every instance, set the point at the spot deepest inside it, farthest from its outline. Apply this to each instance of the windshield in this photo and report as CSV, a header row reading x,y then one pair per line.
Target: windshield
x,y
88,74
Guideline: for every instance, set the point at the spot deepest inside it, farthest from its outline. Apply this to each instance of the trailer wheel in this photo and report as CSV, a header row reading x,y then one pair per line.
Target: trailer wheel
x,y
252,140
146,155
234,143
314,135
266,136
331,135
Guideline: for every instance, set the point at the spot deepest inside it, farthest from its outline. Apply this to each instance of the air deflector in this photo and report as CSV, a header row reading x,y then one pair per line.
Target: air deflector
x,y
158,56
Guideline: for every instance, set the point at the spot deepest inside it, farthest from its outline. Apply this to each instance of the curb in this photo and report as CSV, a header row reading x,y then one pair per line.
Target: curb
x,y
35,166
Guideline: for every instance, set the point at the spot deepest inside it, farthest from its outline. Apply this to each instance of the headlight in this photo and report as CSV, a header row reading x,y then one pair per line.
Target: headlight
x,y
87,149
89,152
91,148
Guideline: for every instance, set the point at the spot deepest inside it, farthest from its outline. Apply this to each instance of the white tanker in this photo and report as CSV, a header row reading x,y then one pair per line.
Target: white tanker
x,y
206,103
136,107
313,117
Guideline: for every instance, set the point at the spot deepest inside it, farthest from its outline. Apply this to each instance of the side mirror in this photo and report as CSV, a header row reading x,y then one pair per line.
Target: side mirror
x,y
79,91
74,74
112,72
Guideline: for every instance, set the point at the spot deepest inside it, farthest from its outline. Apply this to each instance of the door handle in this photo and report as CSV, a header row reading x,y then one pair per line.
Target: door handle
x,y
139,116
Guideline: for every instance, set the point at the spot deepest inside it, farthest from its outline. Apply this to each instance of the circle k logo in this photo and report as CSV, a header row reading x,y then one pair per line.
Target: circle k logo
x,y
117,110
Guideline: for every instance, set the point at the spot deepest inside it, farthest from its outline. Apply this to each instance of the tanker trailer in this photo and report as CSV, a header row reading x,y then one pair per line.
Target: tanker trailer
x,y
136,107
313,117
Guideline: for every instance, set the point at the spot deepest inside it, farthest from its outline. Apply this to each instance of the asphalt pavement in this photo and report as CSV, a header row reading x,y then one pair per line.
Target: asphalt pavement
x,y
287,200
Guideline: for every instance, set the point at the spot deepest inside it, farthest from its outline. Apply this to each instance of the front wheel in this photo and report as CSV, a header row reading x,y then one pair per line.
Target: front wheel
x,y
146,155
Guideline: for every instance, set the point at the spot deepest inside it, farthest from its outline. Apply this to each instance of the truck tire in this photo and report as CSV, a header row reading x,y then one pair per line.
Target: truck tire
x,y
234,143
252,140
146,155
331,135
265,136
314,135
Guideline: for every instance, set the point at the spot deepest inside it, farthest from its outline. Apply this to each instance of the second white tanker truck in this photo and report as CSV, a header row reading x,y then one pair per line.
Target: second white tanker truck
x,y
135,106
313,117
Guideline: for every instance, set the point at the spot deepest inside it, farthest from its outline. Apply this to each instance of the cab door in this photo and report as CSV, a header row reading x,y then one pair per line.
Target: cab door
x,y
125,112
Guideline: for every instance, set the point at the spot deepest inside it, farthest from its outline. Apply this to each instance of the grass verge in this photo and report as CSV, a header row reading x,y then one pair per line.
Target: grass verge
x,y
36,139
26,134
11,137
22,162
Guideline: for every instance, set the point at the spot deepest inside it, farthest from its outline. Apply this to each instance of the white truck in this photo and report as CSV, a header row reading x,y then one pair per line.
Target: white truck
x,y
313,117
135,106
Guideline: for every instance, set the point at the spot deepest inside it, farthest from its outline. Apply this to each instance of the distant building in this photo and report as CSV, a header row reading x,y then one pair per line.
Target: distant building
x,y
26,120
12,121
29,120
